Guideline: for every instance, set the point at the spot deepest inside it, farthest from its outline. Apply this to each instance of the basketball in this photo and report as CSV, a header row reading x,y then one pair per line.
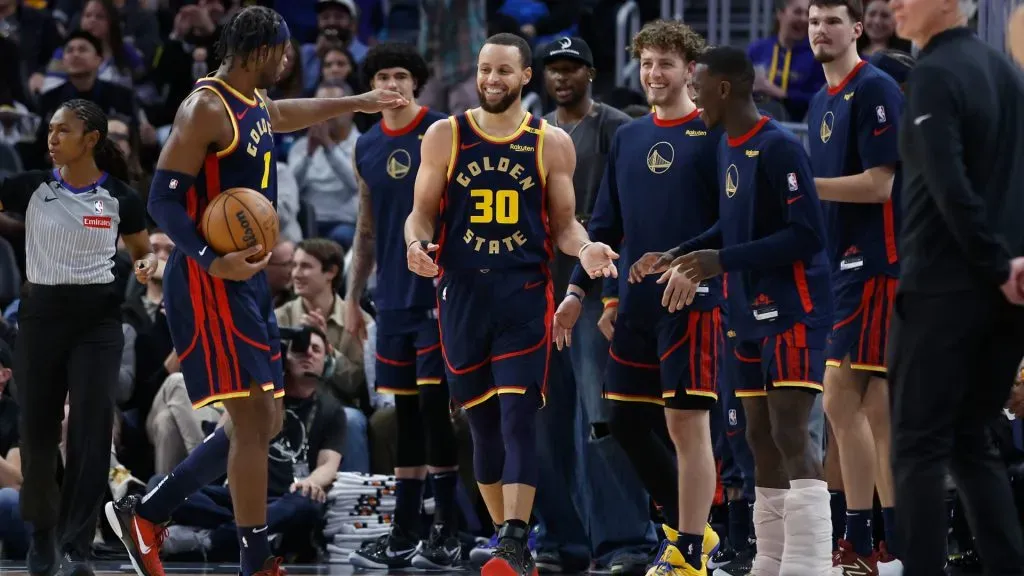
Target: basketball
x,y
239,218
1015,34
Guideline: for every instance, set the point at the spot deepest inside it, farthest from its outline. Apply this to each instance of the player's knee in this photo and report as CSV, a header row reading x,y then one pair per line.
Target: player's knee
x,y
410,451
688,427
519,432
488,446
791,439
628,421
876,403
442,449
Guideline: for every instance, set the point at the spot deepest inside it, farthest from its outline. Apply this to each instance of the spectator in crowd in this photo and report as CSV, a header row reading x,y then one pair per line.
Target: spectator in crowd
x,y
304,461
288,204
879,30
123,132
121,63
279,271
316,279
787,72
541,21
336,26
452,32
138,21
36,35
322,163
290,82
187,54
13,531
338,65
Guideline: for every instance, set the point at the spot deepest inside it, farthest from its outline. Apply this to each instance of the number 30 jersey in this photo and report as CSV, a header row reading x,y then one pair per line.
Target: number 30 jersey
x,y
494,211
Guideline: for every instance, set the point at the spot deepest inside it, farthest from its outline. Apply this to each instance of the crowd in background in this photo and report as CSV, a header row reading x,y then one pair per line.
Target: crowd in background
x,y
138,60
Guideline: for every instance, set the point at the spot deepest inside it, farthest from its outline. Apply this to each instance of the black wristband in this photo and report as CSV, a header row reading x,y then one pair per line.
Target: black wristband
x,y
423,244
574,295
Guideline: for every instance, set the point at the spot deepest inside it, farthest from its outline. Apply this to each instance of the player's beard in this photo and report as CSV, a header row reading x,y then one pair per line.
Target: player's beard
x,y
502,105
823,56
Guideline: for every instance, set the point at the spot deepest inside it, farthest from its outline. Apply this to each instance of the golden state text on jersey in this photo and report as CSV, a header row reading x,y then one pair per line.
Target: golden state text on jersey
x,y
494,210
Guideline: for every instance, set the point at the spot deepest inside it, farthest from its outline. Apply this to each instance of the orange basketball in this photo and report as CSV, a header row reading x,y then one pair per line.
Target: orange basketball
x,y
240,218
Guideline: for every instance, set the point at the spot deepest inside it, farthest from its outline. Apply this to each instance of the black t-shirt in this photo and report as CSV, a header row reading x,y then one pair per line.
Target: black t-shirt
x,y
8,425
72,233
310,425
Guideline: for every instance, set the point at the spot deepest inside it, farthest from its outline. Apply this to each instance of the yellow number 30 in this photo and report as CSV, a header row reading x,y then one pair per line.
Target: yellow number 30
x,y
500,206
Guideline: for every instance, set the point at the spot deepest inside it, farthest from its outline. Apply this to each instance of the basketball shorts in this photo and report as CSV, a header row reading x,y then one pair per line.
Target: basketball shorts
x,y
495,332
224,332
408,351
674,362
864,310
793,359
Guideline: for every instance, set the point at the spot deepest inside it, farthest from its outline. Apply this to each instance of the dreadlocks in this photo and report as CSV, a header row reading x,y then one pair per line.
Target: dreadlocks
x,y
106,153
250,35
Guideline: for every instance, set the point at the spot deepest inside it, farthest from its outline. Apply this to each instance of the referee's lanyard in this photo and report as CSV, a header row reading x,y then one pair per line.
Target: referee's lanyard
x,y
774,68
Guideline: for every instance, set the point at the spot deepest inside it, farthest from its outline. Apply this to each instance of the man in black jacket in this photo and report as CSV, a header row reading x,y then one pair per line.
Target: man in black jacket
x,y
958,331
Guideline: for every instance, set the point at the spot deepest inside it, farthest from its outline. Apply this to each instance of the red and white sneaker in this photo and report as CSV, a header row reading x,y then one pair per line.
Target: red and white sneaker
x,y
846,562
888,565
140,537
272,567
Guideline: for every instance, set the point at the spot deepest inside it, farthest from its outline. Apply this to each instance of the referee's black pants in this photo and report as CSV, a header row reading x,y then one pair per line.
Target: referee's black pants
x,y
69,342
952,361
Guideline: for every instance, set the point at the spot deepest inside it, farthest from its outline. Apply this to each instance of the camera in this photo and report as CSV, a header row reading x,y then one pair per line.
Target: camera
x,y
296,339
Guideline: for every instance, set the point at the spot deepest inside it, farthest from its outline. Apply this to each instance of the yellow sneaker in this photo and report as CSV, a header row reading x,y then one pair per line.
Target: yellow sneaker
x,y
711,539
672,563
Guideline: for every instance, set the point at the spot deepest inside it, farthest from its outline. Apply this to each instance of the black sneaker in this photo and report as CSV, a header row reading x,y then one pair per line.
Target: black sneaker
x,y
392,551
74,564
42,553
722,558
512,555
548,562
441,551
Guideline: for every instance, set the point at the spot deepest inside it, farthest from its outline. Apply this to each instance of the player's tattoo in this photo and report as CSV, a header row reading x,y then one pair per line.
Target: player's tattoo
x,y
364,246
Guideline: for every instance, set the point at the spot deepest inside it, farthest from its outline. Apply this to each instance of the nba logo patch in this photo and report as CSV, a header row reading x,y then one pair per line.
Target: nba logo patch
x,y
732,417
98,207
880,112
791,179
173,185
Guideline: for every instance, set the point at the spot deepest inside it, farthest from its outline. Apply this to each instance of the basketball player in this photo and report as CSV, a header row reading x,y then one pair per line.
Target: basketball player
x,y
409,363
660,189
219,306
501,180
854,152
770,240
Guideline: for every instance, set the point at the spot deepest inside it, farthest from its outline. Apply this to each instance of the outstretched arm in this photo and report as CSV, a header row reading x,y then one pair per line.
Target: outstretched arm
x,y
363,249
436,156
299,113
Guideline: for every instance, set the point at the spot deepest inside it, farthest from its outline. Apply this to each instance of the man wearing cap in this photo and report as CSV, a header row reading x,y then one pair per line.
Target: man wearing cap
x,y
13,531
336,25
622,540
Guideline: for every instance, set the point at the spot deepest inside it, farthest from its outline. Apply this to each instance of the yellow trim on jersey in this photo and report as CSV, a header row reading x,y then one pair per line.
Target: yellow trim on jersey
x,y
751,393
494,139
798,384
630,398
427,381
540,154
870,368
239,394
397,391
453,156
704,393
235,93
235,136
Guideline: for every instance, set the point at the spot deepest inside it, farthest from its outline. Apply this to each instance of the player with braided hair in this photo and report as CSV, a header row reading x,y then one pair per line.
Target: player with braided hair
x,y
219,306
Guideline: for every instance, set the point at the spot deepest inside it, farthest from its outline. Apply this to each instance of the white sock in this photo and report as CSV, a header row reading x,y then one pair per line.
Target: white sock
x,y
769,529
808,526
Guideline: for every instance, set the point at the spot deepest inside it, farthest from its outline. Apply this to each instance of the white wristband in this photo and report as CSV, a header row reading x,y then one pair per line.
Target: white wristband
x,y
582,248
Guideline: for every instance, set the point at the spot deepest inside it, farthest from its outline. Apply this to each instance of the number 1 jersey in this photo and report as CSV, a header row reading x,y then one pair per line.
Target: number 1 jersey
x,y
494,210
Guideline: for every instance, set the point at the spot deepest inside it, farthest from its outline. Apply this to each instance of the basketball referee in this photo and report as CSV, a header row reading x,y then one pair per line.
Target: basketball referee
x,y
957,334
70,339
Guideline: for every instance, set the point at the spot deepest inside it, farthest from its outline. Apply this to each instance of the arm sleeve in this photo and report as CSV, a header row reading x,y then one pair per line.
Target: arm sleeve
x,y
787,172
610,292
167,207
710,239
606,221
935,132
132,212
879,106
16,191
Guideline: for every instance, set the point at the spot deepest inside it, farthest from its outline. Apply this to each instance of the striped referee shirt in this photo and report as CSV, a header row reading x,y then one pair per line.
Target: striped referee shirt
x,y
71,233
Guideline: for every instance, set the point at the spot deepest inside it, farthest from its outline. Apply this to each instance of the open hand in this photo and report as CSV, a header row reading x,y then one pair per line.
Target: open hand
x,y
377,100
315,319
704,264
146,267
565,319
236,266
650,263
419,259
680,288
309,490
598,259
354,322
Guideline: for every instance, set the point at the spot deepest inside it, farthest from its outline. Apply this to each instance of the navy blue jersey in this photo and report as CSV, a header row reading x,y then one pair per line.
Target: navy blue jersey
x,y
494,211
387,161
659,189
854,127
772,234
248,162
